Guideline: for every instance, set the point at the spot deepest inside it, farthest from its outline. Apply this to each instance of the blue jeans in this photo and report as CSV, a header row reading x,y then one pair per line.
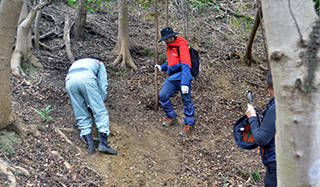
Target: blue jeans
x,y
270,179
168,89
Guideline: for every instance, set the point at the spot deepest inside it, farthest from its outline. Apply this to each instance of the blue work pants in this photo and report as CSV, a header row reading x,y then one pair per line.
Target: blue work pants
x,y
83,90
168,89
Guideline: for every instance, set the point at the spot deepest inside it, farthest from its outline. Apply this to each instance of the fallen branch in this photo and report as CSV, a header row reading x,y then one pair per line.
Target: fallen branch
x,y
45,46
18,85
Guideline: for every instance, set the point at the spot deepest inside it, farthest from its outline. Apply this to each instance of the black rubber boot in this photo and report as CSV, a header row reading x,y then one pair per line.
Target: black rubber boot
x,y
90,144
103,146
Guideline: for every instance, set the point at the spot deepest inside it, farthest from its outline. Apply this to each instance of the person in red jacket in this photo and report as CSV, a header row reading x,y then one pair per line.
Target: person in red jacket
x,y
178,67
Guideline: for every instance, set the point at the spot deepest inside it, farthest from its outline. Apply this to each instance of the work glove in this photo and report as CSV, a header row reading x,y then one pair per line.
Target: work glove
x,y
157,66
184,89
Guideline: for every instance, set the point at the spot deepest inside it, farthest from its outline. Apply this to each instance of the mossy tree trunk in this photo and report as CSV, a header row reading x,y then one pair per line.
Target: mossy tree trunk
x,y
293,37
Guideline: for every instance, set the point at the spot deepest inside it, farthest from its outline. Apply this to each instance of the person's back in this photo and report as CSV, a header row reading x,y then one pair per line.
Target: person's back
x,y
264,135
86,84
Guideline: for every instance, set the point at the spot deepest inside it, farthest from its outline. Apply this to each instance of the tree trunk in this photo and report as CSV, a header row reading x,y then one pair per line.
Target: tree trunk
x,y
293,32
23,50
156,54
123,38
247,57
167,12
36,29
9,15
80,20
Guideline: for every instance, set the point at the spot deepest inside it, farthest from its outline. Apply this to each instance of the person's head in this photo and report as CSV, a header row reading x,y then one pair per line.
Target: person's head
x,y
270,84
168,35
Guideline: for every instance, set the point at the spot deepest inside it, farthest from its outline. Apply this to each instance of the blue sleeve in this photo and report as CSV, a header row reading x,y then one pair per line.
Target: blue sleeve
x,y
186,74
164,67
185,62
263,134
103,81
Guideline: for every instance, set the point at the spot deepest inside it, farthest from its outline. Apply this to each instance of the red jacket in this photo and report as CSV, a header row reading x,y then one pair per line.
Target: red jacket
x,y
179,68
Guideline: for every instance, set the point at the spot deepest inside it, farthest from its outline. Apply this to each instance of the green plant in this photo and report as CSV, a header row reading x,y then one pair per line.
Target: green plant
x,y
148,52
256,175
45,114
9,152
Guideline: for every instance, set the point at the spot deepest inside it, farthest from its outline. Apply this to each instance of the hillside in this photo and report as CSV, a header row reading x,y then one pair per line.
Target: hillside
x,y
149,154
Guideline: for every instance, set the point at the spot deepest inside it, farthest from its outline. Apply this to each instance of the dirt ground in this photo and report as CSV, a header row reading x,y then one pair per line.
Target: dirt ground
x,y
148,154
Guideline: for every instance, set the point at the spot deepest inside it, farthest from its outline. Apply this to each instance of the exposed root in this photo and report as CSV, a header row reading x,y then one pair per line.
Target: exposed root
x,y
65,137
68,166
5,168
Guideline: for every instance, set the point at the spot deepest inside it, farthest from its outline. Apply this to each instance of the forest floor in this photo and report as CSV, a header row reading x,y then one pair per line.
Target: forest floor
x,y
148,154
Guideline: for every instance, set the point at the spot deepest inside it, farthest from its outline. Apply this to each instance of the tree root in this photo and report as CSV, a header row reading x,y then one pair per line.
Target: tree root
x,y
254,60
5,168
65,137
66,164
20,170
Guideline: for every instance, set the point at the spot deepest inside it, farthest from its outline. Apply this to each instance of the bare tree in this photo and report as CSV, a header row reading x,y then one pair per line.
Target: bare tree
x,y
122,46
293,32
23,49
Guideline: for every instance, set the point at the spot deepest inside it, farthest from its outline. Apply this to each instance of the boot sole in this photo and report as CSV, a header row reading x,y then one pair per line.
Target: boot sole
x,y
109,152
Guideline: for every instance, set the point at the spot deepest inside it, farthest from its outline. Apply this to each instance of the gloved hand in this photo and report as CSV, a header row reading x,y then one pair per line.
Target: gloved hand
x,y
157,66
184,89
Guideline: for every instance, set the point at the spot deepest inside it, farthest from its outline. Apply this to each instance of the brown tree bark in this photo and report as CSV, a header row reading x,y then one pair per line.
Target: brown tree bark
x,y
247,57
166,24
80,20
122,46
9,15
66,37
156,54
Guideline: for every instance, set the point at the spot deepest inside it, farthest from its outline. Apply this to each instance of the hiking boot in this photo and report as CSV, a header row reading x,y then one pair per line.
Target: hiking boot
x,y
185,130
103,146
169,122
90,145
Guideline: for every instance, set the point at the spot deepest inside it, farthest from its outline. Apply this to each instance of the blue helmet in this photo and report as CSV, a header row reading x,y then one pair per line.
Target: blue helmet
x,y
242,134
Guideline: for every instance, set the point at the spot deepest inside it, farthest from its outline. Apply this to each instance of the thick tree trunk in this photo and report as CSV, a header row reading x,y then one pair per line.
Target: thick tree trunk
x,y
293,32
123,38
9,15
80,20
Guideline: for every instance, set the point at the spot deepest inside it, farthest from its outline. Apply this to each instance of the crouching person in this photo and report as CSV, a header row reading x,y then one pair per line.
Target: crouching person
x,y
87,84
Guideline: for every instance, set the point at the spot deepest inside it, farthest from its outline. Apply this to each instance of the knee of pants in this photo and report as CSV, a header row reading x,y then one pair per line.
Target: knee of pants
x,y
163,96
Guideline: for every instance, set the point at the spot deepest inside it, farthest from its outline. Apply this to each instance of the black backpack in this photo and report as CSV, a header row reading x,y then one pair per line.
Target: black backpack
x,y
195,61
